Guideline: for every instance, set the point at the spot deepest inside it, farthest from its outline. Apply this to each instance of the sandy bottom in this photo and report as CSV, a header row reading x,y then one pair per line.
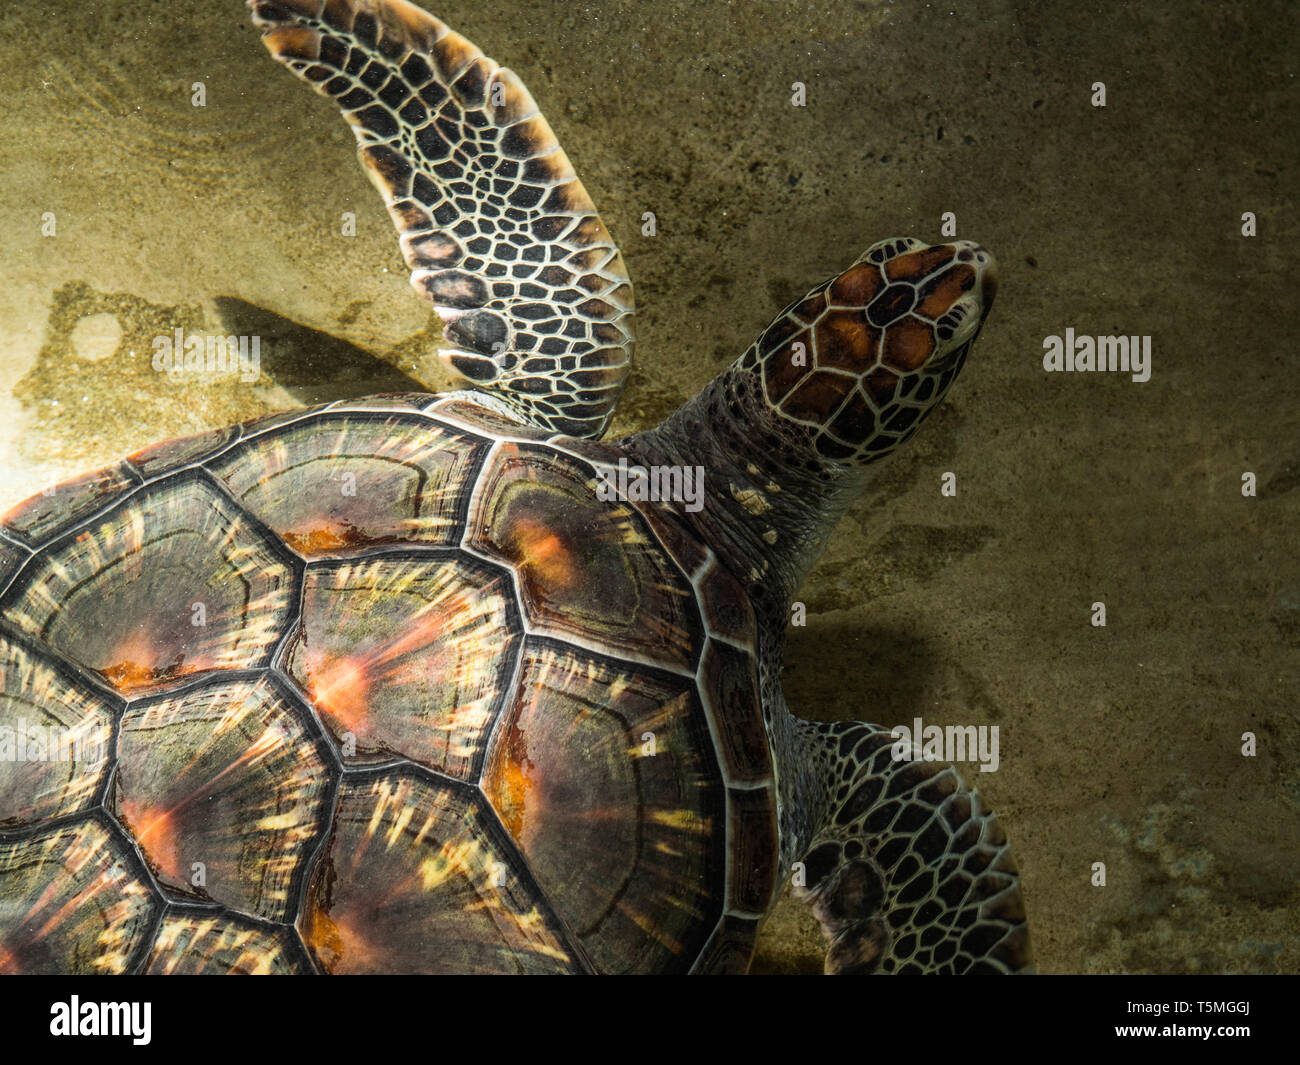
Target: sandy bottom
x,y
1119,745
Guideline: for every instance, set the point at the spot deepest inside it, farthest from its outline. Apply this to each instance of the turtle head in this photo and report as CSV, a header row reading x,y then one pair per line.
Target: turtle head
x,y
859,362
839,379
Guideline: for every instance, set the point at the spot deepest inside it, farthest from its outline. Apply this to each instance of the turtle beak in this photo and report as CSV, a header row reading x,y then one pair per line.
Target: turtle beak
x,y
989,280
985,265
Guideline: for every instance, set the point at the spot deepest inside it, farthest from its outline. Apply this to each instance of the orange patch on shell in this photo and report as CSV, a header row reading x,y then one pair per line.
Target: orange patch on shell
x,y
510,787
156,832
322,539
542,551
135,664
330,942
341,688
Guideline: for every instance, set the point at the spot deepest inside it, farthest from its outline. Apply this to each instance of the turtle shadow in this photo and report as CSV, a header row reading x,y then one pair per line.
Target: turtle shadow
x,y
311,365
844,671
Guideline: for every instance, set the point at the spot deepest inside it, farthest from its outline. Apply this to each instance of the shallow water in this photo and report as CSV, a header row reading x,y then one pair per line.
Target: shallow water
x,y
1119,745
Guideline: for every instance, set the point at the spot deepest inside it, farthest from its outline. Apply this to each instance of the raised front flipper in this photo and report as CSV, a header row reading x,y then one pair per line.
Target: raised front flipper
x,y
498,232
909,871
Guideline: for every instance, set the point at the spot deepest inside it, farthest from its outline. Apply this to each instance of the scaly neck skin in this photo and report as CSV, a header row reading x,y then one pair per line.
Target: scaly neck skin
x,y
765,514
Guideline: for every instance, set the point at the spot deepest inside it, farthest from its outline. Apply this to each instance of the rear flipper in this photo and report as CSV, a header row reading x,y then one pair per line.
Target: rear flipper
x,y
909,871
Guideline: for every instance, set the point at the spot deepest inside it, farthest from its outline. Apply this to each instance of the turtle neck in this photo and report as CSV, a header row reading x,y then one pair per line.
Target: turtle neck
x,y
770,503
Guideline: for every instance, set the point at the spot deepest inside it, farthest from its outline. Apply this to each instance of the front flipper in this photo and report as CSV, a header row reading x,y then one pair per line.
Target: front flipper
x,y
908,871
498,232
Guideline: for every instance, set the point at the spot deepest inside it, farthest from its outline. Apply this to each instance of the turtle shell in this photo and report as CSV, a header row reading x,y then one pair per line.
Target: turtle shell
x,y
381,686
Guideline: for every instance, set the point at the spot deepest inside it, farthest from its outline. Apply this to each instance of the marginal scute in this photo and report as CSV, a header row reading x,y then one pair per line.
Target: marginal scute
x,y
603,775
729,949
73,903
172,582
47,514
171,455
729,685
448,878
407,657
274,420
727,610
755,851
55,740
224,791
219,945
410,402
478,418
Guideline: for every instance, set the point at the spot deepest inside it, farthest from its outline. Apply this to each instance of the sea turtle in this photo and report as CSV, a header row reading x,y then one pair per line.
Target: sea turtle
x,y
440,682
